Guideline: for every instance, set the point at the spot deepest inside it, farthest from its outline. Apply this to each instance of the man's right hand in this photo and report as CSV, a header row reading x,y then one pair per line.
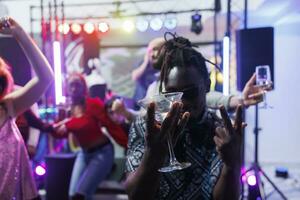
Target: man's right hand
x,y
157,134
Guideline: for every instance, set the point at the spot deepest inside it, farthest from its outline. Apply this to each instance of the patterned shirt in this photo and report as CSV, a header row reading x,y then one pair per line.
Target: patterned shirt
x,y
196,146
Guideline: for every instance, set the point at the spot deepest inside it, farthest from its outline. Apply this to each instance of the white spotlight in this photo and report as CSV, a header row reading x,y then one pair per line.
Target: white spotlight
x,y
170,22
128,26
142,25
64,28
103,27
156,24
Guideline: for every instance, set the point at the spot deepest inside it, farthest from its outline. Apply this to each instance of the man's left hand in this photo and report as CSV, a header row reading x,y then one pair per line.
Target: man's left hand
x,y
228,139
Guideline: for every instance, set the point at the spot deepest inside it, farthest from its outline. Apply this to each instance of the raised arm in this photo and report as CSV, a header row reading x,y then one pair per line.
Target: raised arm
x,y
32,91
138,72
252,94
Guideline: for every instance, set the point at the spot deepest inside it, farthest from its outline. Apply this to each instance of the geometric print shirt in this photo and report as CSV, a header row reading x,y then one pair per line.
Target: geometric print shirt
x,y
196,146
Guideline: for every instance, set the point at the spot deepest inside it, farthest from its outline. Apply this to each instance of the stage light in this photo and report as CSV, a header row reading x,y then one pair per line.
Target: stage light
x,y
156,24
251,180
89,27
170,22
196,26
142,25
40,170
128,26
103,27
64,28
249,177
219,78
76,28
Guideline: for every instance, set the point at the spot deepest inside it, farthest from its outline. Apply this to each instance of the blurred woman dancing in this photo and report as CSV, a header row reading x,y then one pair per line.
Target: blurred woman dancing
x,y
15,171
95,159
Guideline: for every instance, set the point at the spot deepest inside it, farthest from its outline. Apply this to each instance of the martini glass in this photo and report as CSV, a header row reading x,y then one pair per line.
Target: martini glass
x,y
163,104
263,78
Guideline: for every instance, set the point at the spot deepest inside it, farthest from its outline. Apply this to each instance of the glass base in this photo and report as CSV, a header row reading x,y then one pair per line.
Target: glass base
x,y
175,166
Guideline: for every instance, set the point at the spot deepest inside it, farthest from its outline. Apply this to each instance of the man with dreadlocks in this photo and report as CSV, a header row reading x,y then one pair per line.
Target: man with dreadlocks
x,y
211,145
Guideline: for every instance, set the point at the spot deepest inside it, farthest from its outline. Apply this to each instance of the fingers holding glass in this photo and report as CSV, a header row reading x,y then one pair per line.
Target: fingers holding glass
x,y
167,112
263,79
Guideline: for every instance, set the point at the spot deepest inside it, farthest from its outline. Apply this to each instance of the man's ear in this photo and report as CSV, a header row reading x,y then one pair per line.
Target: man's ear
x,y
208,82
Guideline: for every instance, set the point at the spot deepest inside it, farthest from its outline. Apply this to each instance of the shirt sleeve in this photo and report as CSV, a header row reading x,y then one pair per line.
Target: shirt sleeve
x,y
215,99
136,145
33,120
115,130
213,175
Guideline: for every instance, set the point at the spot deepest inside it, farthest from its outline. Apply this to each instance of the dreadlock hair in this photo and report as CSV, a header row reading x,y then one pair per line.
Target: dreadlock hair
x,y
179,52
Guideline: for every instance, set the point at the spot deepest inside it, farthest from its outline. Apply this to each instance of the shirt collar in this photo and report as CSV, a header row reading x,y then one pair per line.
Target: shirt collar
x,y
201,119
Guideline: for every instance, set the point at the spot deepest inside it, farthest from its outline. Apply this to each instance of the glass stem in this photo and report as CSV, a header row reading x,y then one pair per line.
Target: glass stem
x,y
172,157
265,100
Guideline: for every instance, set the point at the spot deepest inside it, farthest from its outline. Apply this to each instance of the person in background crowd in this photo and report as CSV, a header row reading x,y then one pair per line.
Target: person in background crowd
x,y
147,72
114,116
95,159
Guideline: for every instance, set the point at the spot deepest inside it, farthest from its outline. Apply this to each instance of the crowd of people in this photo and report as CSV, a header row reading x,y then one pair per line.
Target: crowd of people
x,y
211,144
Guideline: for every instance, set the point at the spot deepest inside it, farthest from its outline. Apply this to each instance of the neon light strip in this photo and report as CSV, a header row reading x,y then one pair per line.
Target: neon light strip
x,y
226,49
47,110
57,73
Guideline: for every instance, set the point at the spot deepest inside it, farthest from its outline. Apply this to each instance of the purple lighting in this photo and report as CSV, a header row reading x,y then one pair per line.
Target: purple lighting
x,y
39,170
243,173
244,178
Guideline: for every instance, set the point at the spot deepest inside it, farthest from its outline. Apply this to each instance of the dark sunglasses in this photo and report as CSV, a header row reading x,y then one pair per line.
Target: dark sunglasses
x,y
189,92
